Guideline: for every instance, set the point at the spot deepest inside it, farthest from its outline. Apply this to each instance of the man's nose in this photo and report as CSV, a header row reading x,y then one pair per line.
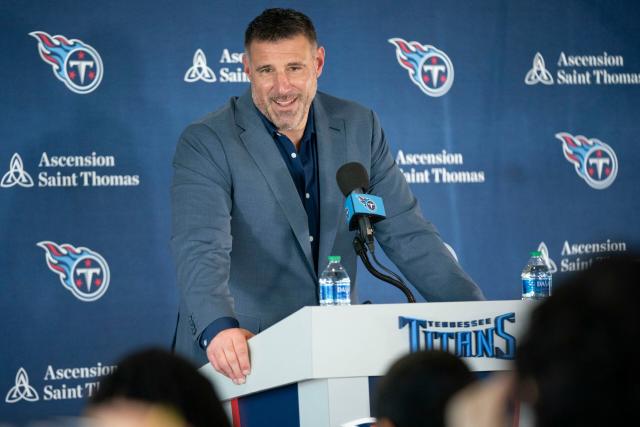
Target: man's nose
x,y
282,82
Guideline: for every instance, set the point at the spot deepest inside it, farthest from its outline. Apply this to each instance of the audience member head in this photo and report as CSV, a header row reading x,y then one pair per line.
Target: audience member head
x,y
576,364
417,387
155,388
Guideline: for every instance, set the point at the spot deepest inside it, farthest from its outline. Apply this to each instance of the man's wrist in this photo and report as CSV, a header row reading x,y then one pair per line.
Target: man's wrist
x,y
215,328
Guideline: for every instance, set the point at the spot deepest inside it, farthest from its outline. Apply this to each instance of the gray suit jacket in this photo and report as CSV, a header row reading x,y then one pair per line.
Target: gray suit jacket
x,y
240,234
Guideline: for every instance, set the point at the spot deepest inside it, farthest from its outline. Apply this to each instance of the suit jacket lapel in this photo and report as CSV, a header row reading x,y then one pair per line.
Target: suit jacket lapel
x,y
331,139
262,149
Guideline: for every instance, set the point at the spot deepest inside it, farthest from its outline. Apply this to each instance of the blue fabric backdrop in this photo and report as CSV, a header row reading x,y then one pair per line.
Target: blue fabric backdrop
x,y
537,90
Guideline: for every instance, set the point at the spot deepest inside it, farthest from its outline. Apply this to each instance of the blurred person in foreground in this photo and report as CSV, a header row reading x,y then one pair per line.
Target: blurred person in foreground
x,y
155,388
417,387
575,365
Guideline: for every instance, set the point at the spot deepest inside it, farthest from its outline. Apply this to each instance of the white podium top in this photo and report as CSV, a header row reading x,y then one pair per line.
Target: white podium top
x,y
364,340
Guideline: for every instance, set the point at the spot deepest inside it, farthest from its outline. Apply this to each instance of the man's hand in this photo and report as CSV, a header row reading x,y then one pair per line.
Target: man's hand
x,y
228,352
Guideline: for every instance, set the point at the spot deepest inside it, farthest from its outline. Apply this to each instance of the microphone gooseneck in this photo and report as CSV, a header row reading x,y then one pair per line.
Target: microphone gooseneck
x,y
362,253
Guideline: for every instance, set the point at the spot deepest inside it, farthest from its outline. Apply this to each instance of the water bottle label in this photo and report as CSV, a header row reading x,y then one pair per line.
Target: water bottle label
x,y
534,286
343,291
327,296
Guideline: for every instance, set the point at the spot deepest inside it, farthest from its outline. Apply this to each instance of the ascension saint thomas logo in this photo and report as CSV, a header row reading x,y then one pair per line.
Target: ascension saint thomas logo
x,y
22,390
16,175
538,72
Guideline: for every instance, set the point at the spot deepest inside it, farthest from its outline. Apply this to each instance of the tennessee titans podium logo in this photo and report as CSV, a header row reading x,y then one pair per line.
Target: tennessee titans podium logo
x,y
594,161
429,68
82,271
74,63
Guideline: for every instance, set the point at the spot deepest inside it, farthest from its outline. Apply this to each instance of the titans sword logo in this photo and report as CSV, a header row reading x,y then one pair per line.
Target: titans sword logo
x,y
82,271
74,63
594,161
429,68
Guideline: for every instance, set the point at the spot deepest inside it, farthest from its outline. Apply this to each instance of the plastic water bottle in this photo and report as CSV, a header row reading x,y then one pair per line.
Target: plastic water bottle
x,y
335,285
536,279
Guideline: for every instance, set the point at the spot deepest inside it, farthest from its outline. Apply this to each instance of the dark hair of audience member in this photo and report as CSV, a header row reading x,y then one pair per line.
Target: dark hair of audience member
x,y
158,377
576,362
416,388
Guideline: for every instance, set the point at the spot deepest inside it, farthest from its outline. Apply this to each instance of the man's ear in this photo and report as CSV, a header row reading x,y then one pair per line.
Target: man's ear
x,y
246,63
319,61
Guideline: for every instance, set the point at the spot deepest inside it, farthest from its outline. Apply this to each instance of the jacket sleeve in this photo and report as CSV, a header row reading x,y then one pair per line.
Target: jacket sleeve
x,y
411,242
201,202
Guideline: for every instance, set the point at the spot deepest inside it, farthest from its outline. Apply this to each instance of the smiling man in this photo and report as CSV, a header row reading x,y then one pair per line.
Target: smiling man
x,y
284,80
256,206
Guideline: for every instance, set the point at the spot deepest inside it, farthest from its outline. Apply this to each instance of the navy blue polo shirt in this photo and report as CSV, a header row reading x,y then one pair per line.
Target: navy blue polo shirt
x,y
303,168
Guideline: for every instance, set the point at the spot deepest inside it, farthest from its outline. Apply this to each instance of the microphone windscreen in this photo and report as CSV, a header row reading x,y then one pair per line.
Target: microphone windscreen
x,y
352,176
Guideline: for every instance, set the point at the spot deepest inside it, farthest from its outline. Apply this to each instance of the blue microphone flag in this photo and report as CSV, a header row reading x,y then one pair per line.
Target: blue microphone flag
x,y
363,204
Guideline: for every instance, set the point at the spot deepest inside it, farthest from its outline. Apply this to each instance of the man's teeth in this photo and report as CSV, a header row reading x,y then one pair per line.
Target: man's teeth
x,y
285,103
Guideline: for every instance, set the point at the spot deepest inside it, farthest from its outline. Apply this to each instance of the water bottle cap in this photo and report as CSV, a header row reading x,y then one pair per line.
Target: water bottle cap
x,y
334,258
536,253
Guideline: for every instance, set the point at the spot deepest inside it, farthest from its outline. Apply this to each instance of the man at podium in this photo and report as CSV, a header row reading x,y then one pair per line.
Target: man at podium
x,y
256,208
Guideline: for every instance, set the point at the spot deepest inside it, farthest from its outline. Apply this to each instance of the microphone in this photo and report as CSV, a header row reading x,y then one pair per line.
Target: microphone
x,y
361,209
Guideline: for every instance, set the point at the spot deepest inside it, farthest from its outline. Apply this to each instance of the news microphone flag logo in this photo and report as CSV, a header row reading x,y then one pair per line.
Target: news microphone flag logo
x,y
367,203
429,68
74,62
82,271
594,161
359,204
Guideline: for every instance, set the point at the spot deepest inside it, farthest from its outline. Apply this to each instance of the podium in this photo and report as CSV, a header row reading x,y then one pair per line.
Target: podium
x,y
318,367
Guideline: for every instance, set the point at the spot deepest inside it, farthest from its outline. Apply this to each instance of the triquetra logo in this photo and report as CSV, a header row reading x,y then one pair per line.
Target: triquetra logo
x,y
22,390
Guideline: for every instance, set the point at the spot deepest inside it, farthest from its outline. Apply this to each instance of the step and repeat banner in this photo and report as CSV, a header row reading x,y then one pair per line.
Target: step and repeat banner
x,y
515,123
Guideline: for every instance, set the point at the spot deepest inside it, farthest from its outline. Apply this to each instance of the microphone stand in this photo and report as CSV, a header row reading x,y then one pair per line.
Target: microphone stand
x,y
361,251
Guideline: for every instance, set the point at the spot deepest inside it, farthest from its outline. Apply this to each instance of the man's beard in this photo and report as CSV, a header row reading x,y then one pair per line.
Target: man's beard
x,y
287,120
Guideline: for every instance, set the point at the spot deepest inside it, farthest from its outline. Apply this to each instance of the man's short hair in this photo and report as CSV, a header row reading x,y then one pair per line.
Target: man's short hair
x,y
156,377
415,391
279,24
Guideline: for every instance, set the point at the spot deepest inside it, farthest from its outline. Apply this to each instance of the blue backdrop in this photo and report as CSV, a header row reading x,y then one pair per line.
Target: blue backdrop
x,y
514,121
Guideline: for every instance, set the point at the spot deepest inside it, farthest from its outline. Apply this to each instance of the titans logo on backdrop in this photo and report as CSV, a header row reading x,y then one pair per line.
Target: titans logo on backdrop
x,y
74,62
429,68
82,272
595,162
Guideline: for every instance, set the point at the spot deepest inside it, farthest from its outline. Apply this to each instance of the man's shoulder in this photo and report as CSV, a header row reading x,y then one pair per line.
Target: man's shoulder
x,y
342,108
219,117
